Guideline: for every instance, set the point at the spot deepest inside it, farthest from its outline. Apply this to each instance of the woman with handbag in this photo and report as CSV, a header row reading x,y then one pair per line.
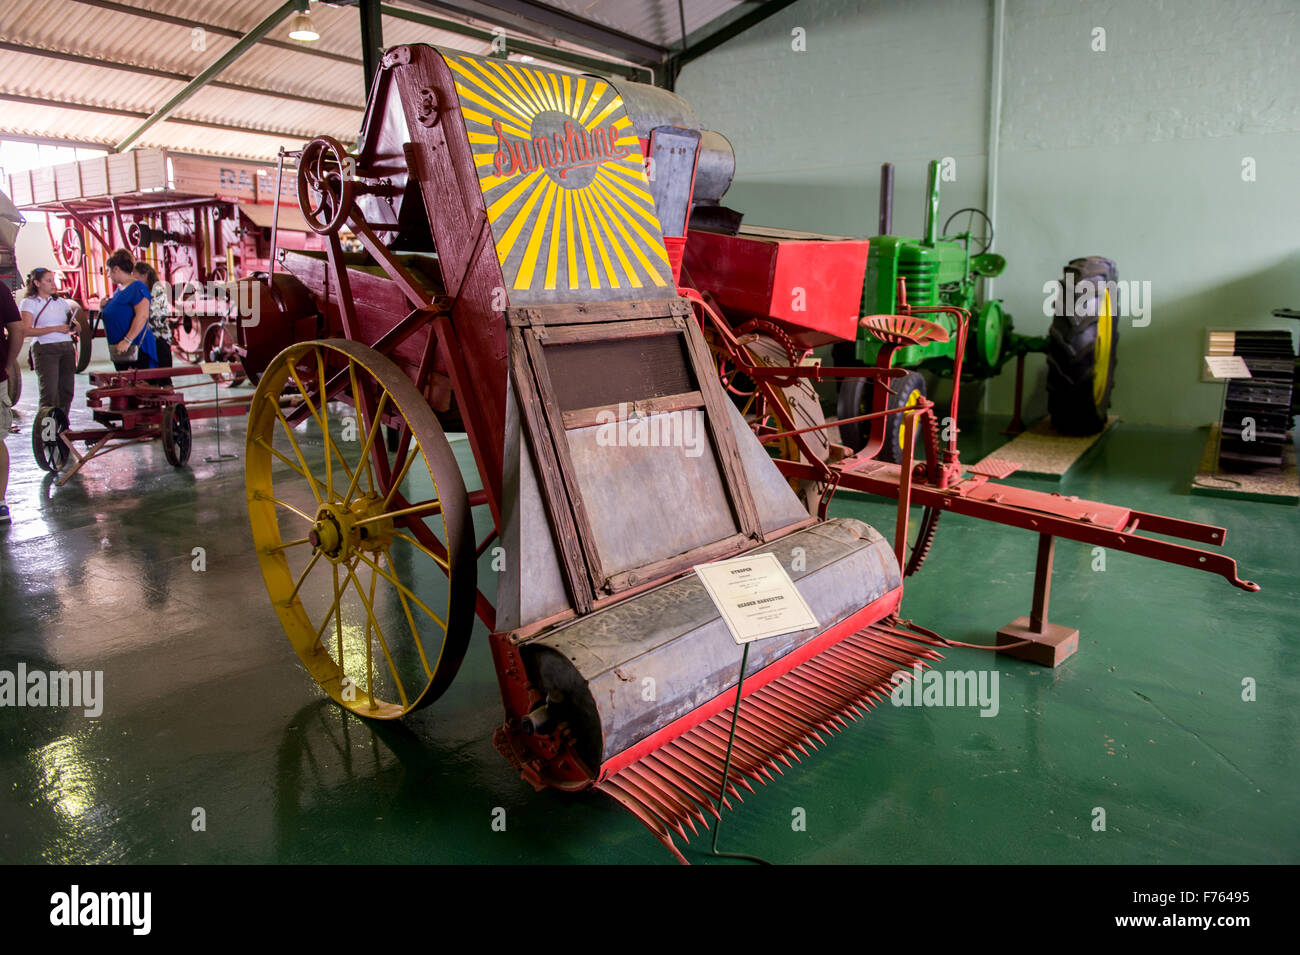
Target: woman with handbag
x,y
51,320
126,317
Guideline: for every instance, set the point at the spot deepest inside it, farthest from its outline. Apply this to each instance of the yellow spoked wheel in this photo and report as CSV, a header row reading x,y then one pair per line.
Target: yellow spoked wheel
x,y
367,553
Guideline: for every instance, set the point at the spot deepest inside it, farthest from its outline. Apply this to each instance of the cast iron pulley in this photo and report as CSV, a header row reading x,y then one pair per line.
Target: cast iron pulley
x,y
323,173
71,248
135,237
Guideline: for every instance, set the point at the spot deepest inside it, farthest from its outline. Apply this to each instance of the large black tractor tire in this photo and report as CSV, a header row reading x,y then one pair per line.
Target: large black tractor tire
x,y
1083,348
855,399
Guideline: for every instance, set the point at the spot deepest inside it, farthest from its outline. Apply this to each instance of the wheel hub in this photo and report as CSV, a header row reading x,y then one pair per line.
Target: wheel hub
x,y
341,530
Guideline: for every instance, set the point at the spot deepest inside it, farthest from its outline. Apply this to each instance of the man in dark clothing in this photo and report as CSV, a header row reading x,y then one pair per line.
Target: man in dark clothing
x,y
11,341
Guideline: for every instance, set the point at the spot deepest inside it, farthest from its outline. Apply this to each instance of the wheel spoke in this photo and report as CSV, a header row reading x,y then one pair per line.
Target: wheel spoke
x,y
440,561
325,420
338,617
383,644
365,451
329,445
367,428
286,545
410,620
406,467
370,656
431,506
298,585
315,481
402,588
284,504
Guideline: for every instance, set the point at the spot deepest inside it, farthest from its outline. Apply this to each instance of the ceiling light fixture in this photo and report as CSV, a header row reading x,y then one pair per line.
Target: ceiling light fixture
x,y
301,26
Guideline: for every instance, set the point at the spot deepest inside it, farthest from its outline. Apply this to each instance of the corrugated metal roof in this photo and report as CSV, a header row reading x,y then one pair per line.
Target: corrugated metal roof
x,y
84,53
660,23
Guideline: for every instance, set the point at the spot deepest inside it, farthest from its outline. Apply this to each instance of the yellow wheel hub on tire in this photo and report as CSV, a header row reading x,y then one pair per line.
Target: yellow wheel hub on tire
x,y
1101,352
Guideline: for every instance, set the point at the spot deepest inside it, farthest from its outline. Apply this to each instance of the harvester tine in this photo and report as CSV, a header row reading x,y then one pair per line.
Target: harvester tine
x,y
703,766
668,788
757,711
799,706
757,735
684,777
754,761
823,698
707,778
715,757
648,819
654,802
792,730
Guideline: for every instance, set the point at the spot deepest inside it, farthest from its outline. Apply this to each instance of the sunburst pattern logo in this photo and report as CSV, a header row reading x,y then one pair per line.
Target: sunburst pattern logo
x,y
563,178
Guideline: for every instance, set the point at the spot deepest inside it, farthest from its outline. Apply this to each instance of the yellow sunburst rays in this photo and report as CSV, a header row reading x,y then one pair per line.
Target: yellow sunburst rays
x,y
487,93
607,227
511,81
619,182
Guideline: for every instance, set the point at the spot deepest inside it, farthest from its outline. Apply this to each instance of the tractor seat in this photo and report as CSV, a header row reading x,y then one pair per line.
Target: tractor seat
x,y
904,329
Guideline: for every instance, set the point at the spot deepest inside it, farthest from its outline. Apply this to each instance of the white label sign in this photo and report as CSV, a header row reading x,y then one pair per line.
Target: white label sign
x,y
756,597
1227,366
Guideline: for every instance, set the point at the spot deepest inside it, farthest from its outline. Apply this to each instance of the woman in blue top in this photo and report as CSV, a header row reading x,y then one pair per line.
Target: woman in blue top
x,y
126,316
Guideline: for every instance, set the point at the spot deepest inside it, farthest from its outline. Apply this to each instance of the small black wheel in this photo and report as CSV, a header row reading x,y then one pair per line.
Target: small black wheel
x,y
47,442
855,399
1083,347
176,434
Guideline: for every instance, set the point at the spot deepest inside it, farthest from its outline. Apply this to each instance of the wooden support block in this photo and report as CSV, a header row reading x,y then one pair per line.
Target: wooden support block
x,y
1050,648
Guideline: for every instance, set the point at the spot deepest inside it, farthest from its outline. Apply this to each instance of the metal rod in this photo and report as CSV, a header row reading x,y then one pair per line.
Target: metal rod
x,y
193,86
1042,582
726,767
886,198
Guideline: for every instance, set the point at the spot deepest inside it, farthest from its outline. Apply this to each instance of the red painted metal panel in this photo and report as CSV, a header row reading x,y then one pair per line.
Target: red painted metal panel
x,y
811,287
1091,512
878,609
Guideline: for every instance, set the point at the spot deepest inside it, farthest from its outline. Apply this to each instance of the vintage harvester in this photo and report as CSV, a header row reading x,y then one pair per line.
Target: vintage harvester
x,y
520,284
199,222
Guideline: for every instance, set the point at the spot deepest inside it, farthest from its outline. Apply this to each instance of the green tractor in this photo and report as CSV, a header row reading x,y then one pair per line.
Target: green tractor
x,y
945,270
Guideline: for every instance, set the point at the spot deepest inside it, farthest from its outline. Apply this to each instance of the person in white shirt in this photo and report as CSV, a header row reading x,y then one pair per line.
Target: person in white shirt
x,y
51,320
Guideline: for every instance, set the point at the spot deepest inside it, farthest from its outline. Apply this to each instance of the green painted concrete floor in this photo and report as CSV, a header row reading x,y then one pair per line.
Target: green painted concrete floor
x,y
205,705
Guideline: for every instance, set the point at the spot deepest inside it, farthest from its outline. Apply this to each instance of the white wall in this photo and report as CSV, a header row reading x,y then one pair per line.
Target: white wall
x,y
1134,153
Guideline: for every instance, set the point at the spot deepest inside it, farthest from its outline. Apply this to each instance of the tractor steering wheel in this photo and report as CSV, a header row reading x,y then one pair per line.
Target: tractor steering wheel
x,y
983,238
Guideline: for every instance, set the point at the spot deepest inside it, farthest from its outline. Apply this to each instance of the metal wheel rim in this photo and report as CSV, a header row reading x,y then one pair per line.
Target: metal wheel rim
x,y
334,570
1101,352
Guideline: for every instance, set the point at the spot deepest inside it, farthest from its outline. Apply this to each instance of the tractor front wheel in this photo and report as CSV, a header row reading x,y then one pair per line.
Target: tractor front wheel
x,y
1082,347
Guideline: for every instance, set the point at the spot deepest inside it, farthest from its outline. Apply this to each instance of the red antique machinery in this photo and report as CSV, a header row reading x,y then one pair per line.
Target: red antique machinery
x,y
132,407
199,222
520,284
